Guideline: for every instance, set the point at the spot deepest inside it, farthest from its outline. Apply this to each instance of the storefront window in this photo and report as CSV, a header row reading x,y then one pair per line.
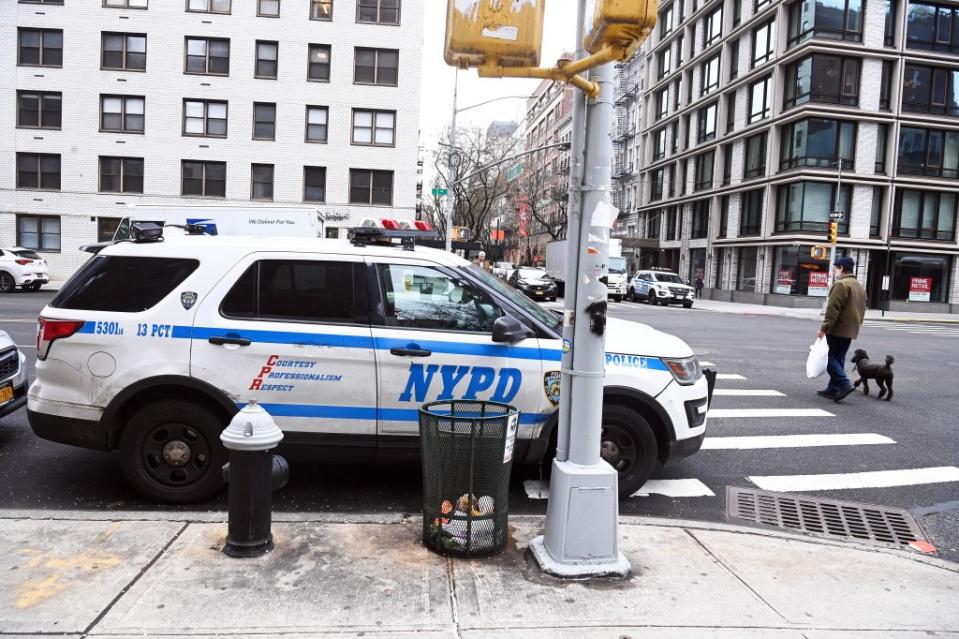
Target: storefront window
x,y
697,264
746,273
920,278
796,272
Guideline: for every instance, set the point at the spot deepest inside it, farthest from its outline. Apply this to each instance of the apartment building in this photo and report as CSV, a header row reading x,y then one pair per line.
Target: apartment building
x,y
761,117
627,163
110,103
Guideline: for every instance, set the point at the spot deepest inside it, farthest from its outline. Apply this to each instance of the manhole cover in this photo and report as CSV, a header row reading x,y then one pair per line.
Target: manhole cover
x,y
825,517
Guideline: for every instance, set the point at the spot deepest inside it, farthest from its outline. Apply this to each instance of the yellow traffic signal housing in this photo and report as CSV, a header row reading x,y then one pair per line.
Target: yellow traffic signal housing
x,y
833,232
623,23
506,33
819,252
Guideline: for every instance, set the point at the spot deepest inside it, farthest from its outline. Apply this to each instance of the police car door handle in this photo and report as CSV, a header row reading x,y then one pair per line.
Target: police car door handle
x,y
219,340
411,352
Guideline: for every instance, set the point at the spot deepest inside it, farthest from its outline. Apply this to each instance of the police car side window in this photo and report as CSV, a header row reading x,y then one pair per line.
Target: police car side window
x,y
294,290
123,284
423,297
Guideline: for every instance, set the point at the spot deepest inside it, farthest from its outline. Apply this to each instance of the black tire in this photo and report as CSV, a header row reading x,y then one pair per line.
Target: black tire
x,y
687,304
552,299
33,287
629,446
160,425
7,283
651,298
631,295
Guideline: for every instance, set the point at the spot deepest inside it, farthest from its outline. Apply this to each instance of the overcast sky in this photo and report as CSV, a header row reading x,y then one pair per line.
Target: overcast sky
x,y
437,91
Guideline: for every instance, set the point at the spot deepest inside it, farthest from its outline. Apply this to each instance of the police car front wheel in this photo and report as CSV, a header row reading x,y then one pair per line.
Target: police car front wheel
x,y
171,452
629,446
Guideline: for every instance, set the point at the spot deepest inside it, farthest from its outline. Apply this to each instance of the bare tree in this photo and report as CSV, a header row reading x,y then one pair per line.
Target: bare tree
x,y
543,194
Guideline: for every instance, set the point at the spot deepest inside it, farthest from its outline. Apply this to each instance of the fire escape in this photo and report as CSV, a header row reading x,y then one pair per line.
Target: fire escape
x,y
623,169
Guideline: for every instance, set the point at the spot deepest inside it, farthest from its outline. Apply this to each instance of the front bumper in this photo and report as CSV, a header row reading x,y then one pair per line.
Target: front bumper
x,y
19,400
538,293
683,448
671,297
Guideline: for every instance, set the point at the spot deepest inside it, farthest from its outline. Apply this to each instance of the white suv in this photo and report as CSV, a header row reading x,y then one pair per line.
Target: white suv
x,y
151,348
22,267
13,376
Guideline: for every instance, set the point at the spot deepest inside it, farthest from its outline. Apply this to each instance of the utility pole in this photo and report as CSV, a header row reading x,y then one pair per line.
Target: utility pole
x,y
581,537
451,179
837,214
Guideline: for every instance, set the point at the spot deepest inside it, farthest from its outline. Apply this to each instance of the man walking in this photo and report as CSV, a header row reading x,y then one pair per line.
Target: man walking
x,y
844,314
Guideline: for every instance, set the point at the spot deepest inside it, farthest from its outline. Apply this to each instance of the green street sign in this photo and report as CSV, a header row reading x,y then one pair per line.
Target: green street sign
x,y
440,192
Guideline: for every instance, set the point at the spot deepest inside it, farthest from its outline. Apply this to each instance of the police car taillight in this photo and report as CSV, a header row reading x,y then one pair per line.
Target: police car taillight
x,y
50,330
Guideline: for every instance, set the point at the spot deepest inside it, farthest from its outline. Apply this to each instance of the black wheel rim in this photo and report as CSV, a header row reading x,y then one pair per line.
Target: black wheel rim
x,y
619,448
7,283
175,455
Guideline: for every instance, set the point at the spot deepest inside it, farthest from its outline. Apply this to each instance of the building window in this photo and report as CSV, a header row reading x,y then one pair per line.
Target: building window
x,y
665,22
126,4
882,140
656,185
38,232
885,85
376,66
264,121
317,118
319,64
723,216
662,103
375,128
207,56
700,226
878,195
932,27
321,9
759,4
706,122
805,206
208,6
39,171
818,142
261,182
746,273
674,134
371,187
935,270
713,26
796,272
124,51
314,184
930,90
664,62
205,118
121,175
730,111
653,225
268,8
925,215
710,75
751,212
122,113
672,225
40,47
764,43
670,177
889,33
733,60
679,51
378,11
755,156
107,228
39,109
928,152
826,19
659,150
203,179
266,60
704,171
57,2
727,164
822,78
760,99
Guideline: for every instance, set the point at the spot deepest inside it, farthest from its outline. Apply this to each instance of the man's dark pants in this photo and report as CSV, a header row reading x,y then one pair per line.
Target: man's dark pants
x,y
838,347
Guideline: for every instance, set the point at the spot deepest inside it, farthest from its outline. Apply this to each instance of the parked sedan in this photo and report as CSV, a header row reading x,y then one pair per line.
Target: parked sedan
x,y
533,282
502,270
22,267
13,376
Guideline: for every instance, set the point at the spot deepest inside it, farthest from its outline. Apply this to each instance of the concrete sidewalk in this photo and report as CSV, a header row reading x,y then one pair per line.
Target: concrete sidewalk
x,y
129,574
815,313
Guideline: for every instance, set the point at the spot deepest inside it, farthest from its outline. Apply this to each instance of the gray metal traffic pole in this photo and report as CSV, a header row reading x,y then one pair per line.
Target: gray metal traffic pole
x,y
581,538
574,207
450,180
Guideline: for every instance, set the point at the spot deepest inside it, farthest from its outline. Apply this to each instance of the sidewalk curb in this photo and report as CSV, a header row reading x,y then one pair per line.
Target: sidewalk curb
x,y
207,517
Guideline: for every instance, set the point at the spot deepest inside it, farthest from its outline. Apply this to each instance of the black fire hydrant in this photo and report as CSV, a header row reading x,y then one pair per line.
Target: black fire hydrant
x,y
253,474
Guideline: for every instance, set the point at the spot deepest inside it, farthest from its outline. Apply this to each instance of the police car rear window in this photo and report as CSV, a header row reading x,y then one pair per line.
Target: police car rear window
x,y
123,284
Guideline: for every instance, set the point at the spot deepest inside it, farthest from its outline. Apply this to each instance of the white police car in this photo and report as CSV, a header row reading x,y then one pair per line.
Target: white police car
x,y
151,347
660,286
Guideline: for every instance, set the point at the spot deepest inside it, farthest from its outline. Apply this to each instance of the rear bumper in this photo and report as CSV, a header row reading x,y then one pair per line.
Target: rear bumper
x,y
32,278
19,400
68,430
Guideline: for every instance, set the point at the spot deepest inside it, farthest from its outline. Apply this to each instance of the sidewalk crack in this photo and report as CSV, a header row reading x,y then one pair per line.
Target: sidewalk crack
x,y
454,609
136,578
738,578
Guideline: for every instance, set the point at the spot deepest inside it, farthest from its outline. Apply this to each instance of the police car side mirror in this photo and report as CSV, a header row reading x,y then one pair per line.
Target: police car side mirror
x,y
509,330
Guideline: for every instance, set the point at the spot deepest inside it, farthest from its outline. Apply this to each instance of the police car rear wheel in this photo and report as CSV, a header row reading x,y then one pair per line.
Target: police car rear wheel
x,y
171,452
628,445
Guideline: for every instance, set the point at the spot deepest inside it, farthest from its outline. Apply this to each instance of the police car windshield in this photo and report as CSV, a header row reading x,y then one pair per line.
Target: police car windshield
x,y
670,278
541,314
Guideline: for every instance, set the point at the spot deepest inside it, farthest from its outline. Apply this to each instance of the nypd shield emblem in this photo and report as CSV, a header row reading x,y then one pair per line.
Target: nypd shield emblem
x,y
551,386
188,299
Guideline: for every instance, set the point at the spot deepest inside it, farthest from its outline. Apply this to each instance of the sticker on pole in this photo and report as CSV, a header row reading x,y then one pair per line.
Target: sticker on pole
x,y
512,424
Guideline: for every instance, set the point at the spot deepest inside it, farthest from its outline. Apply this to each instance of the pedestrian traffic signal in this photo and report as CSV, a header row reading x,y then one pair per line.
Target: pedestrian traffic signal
x,y
833,232
497,33
620,23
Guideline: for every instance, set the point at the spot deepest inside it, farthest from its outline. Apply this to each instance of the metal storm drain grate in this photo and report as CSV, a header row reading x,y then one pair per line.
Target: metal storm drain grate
x,y
825,517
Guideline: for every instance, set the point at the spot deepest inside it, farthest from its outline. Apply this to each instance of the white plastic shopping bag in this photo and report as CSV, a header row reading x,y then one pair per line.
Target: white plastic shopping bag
x,y
818,358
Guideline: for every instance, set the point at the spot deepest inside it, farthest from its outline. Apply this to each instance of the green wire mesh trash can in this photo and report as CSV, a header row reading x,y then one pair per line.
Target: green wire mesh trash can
x,y
467,454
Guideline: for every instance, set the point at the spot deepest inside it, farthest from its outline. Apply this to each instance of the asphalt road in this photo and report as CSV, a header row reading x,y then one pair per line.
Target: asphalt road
x,y
917,428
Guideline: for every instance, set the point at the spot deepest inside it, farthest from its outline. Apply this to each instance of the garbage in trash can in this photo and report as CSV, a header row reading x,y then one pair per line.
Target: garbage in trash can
x,y
467,454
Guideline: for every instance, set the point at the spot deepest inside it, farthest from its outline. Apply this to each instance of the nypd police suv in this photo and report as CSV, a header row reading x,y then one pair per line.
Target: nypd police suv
x,y
152,346
660,286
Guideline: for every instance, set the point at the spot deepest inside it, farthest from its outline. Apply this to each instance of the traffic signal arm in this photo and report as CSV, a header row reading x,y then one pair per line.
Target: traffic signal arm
x,y
564,71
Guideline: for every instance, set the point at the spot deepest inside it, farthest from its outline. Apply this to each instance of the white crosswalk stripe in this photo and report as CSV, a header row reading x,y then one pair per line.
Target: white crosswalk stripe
x,y
947,330
729,376
846,481
726,413
536,489
738,392
793,441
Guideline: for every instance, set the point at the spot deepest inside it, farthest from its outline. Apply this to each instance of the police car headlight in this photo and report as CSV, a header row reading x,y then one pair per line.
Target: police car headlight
x,y
685,371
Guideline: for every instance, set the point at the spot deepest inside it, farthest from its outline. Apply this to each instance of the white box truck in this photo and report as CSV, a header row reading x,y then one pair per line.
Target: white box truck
x,y
616,282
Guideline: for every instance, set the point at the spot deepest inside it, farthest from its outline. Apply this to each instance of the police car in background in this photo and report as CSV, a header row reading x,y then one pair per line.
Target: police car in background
x,y
152,346
661,286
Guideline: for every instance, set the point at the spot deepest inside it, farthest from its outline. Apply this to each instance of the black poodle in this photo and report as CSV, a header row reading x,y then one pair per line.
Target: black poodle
x,y
882,374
